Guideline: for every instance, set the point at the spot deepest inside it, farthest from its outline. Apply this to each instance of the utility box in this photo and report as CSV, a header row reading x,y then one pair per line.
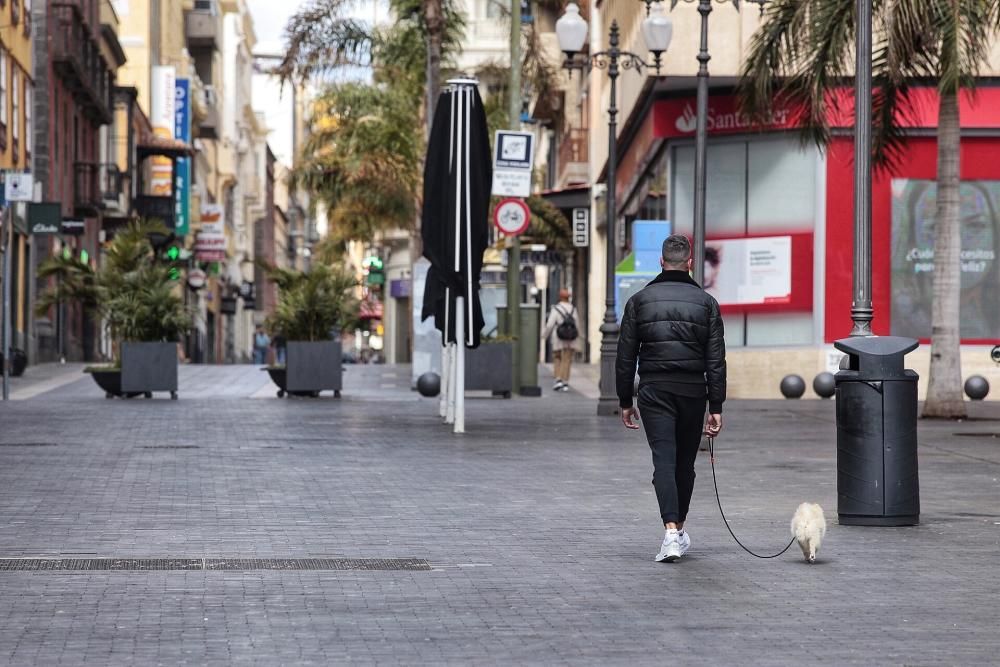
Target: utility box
x,y
529,346
877,482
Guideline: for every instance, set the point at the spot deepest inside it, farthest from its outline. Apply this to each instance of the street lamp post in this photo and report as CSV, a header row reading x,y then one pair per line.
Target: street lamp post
x,y
861,305
571,29
701,134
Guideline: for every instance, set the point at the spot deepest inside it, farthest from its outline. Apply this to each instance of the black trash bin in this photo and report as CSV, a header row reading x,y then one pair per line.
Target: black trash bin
x,y
877,481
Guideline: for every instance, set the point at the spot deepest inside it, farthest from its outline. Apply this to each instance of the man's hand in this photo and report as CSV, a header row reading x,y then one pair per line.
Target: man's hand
x,y
627,415
714,425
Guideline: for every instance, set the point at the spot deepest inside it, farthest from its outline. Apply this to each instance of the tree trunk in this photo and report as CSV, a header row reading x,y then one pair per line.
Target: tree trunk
x,y
944,388
434,23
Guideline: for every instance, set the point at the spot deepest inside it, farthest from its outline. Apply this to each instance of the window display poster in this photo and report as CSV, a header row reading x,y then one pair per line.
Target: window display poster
x,y
749,271
914,207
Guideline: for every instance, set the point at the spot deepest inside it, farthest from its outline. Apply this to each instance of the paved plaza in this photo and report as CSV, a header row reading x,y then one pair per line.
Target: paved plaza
x,y
535,530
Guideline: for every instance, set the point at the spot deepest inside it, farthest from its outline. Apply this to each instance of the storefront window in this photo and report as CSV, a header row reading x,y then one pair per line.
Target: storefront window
x,y
756,187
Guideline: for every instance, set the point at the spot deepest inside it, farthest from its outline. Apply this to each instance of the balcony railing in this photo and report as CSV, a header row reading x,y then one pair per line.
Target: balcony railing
x,y
156,208
77,59
209,126
202,26
111,183
86,187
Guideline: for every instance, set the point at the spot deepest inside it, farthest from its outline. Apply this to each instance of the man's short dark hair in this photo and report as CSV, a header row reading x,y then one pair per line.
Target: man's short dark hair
x,y
676,250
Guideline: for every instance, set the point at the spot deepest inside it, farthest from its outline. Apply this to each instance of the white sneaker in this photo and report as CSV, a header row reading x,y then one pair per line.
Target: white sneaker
x,y
684,540
559,384
670,550
564,387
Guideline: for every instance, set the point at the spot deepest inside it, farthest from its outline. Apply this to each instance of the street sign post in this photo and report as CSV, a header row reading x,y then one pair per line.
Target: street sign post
x,y
6,242
512,217
18,186
512,162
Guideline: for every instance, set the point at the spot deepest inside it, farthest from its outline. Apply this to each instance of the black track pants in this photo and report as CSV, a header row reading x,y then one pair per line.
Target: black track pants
x,y
673,427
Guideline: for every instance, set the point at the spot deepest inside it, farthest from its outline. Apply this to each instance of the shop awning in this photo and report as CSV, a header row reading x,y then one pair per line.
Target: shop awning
x,y
163,146
571,197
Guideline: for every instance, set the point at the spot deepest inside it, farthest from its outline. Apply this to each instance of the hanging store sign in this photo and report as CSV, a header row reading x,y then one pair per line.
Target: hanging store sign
x,y
512,217
163,107
45,218
196,279
581,227
513,159
74,227
210,242
182,131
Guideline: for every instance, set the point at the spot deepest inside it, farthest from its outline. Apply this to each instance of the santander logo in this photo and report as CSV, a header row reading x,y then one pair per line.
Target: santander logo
x,y
687,122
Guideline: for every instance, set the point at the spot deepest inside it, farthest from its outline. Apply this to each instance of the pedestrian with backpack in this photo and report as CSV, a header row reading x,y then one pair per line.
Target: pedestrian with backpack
x,y
562,331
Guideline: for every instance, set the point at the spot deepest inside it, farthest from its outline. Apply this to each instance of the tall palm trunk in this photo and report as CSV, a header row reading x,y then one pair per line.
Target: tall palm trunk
x,y
434,23
944,390
433,12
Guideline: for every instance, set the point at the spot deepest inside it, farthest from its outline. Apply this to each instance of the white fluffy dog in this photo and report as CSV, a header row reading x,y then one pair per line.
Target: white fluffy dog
x,y
808,529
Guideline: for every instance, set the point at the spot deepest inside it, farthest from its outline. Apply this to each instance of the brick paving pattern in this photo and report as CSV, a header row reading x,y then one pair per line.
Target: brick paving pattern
x,y
539,525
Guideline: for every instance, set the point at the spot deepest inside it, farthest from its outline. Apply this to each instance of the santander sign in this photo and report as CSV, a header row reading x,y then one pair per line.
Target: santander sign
x,y
676,118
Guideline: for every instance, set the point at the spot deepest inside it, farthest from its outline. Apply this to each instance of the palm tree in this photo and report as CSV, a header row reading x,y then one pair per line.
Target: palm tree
x,y
132,292
804,51
321,38
362,159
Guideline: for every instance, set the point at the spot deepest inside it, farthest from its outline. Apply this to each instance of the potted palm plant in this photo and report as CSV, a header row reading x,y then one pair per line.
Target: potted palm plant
x,y
134,295
312,308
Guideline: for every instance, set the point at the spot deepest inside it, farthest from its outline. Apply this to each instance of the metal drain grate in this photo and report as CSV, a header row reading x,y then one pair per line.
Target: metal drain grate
x,y
169,446
28,444
204,564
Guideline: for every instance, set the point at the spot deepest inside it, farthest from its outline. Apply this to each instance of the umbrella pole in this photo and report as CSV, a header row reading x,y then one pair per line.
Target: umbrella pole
x,y
445,383
460,370
450,415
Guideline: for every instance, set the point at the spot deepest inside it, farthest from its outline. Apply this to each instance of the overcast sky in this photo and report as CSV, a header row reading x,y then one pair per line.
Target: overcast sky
x,y
269,18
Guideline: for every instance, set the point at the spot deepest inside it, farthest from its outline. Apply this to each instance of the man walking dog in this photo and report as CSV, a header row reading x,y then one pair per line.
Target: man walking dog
x,y
673,328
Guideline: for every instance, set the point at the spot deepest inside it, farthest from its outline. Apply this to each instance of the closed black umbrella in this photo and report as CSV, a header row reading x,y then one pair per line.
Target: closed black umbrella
x,y
455,230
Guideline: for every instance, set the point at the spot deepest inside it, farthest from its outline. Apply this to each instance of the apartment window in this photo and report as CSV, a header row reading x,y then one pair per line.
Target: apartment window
x,y
494,10
15,121
3,93
28,128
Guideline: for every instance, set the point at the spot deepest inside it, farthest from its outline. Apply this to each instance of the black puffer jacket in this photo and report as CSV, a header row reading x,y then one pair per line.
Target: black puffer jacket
x,y
674,329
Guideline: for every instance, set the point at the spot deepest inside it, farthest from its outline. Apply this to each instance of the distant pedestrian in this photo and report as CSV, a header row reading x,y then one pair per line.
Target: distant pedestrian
x,y
279,349
261,342
673,328
562,330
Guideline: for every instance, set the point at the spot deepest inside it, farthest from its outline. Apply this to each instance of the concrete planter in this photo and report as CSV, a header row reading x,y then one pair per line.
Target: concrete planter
x,y
312,367
149,367
489,368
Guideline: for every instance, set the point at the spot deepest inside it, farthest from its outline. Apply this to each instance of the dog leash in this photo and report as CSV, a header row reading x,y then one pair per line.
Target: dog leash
x,y
715,482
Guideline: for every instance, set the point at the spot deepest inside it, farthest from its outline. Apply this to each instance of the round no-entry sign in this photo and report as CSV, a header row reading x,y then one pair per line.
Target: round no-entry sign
x,y
512,216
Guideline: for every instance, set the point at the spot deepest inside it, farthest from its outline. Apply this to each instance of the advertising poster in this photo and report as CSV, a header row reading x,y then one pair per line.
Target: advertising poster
x,y
752,271
914,206
161,117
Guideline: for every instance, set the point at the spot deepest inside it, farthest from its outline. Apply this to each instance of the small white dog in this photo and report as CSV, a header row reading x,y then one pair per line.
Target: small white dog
x,y
808,529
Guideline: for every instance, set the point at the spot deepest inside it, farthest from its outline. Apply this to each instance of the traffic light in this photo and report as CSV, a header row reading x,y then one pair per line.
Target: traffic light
x,y
173,255
376,271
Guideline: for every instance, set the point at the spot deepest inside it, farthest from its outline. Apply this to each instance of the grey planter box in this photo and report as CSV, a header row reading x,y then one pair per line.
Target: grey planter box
x,y
149,367
489,367
314,367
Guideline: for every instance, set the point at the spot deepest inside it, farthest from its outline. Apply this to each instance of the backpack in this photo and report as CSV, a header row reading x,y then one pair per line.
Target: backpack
x,y
567,328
